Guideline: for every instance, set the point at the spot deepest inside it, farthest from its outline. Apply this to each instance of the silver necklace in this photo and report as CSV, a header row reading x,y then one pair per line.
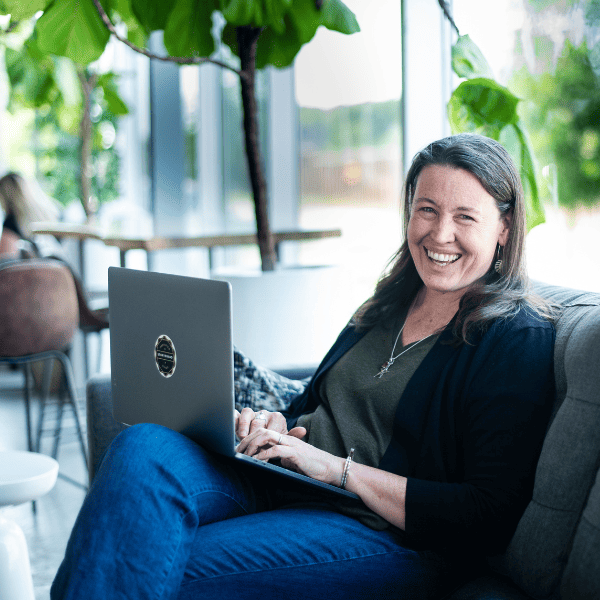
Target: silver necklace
x,y
385,367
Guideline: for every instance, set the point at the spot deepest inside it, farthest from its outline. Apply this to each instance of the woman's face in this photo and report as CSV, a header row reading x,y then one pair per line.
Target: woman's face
x,y
454,228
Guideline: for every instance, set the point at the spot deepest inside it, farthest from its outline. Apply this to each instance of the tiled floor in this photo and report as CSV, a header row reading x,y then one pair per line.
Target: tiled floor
x,y
48,530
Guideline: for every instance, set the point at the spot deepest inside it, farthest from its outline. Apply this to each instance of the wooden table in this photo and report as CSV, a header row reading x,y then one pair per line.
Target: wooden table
x,y
152,244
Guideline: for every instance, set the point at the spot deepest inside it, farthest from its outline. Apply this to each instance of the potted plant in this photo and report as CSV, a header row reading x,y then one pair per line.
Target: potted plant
x,y
259,32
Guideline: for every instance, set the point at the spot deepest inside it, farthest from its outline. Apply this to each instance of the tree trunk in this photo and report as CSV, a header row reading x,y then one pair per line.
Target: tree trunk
x,y
85,151
247,37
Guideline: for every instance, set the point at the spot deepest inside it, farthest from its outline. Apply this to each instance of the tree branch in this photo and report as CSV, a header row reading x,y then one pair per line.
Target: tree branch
x,y
181,60
444,6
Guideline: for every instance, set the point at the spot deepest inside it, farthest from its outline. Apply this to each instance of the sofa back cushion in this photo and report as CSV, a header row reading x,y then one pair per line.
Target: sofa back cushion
x,y
559,532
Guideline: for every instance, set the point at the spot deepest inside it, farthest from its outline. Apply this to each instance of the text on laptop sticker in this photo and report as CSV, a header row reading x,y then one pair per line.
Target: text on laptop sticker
x,y
164,354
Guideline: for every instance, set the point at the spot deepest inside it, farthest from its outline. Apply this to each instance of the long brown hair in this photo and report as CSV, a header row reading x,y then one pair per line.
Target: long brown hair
x,y
495,295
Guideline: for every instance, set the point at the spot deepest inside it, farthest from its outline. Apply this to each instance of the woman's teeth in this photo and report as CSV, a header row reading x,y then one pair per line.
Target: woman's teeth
x,y
442,259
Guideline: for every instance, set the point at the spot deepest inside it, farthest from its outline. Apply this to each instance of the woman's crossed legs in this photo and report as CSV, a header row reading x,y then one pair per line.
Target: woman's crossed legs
x,y
164,519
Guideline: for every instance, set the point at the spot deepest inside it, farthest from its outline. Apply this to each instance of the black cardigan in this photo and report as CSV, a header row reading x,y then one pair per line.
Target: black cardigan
x,y
467,432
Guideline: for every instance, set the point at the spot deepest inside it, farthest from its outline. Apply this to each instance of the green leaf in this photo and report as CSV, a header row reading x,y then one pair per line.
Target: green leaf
x,y
280,49
239,12
32,81
468,60
275,11
188,31
276,49
229,38
136,32
305,19
72,28
289,24
482,106
533,206
114,102
338,17
23,9
152,14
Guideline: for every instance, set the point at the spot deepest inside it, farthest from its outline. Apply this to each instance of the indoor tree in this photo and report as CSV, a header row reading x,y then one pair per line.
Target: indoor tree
x,y
259,32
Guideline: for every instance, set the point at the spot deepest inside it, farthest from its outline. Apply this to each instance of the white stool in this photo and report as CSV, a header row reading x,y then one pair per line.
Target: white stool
x,y
24,476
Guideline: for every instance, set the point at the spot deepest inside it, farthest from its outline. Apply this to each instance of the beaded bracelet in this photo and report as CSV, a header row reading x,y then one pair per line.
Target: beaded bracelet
x,y
347,468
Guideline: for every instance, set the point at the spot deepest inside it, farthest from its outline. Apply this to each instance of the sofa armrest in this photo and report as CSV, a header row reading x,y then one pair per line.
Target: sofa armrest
x,y
101,426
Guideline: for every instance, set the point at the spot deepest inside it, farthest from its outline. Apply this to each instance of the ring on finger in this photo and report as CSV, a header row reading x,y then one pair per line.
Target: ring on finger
x,y
260,416
280,438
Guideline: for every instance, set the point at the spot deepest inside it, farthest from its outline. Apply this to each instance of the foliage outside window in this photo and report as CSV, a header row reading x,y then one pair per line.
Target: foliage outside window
x,y
553,95
562,105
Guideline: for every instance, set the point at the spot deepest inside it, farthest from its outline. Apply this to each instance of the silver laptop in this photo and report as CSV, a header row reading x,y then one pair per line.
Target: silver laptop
x,y
172,360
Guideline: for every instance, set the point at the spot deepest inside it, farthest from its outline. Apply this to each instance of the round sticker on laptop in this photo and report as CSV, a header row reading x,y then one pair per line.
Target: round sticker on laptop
x,y
165,356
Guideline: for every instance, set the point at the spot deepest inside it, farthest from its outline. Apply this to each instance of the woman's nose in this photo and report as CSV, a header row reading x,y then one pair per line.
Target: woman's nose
x,y
443,230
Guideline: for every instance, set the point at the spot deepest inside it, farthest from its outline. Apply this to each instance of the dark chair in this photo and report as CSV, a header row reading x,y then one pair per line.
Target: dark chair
x,y
38,317
90,321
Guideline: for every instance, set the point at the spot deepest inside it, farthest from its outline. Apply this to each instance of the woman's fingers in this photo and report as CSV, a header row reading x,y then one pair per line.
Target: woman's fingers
x,y
260,420
298,432
295,454
249,421
243,422
259,440
277,422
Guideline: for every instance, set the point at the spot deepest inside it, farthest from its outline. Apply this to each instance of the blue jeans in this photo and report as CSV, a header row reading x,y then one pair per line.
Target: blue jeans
x,y
166,519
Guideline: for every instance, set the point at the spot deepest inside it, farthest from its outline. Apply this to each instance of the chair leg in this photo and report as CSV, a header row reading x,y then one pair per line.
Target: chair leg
x,y
99,359
44,394
27,373
86,357
72,394
58,426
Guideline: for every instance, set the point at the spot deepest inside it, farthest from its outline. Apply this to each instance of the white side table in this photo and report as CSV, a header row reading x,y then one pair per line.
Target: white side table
x,y
24,476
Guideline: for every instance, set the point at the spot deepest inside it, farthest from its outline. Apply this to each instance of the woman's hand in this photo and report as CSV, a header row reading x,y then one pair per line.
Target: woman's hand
x,y
248,422
295,454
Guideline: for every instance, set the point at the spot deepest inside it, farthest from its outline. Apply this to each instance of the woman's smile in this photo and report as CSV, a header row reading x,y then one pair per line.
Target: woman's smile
x,y
441,259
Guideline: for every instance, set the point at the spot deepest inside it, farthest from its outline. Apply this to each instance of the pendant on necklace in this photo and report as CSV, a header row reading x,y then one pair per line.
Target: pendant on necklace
x,y
384,368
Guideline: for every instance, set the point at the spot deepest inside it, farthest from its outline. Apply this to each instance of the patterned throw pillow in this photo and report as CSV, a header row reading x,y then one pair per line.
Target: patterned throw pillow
x,y
260,388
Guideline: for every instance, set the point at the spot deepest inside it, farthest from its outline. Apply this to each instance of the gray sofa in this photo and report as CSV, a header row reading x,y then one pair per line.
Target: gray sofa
x,y
555,552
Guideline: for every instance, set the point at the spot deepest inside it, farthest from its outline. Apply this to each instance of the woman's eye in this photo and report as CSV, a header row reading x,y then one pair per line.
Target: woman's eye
x,y
466,217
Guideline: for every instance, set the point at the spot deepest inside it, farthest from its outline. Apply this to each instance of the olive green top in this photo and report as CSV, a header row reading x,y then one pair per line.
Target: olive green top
x,y
358,408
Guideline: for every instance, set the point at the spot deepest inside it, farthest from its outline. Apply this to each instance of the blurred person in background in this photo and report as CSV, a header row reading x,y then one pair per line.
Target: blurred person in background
x,y
24,203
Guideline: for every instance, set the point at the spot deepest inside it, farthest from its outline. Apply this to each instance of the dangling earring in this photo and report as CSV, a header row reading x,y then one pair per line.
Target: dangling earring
x,y
498,263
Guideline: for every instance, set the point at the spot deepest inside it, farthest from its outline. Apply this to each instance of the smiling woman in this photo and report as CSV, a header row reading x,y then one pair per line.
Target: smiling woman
x,y
436,442
464,232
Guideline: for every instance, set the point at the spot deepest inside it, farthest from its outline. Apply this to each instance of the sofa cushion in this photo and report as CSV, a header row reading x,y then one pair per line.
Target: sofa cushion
x,y
488,587
568,465
581,580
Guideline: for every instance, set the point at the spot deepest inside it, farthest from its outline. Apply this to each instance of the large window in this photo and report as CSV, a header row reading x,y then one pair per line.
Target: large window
x,y
543,51
216,185
349,90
